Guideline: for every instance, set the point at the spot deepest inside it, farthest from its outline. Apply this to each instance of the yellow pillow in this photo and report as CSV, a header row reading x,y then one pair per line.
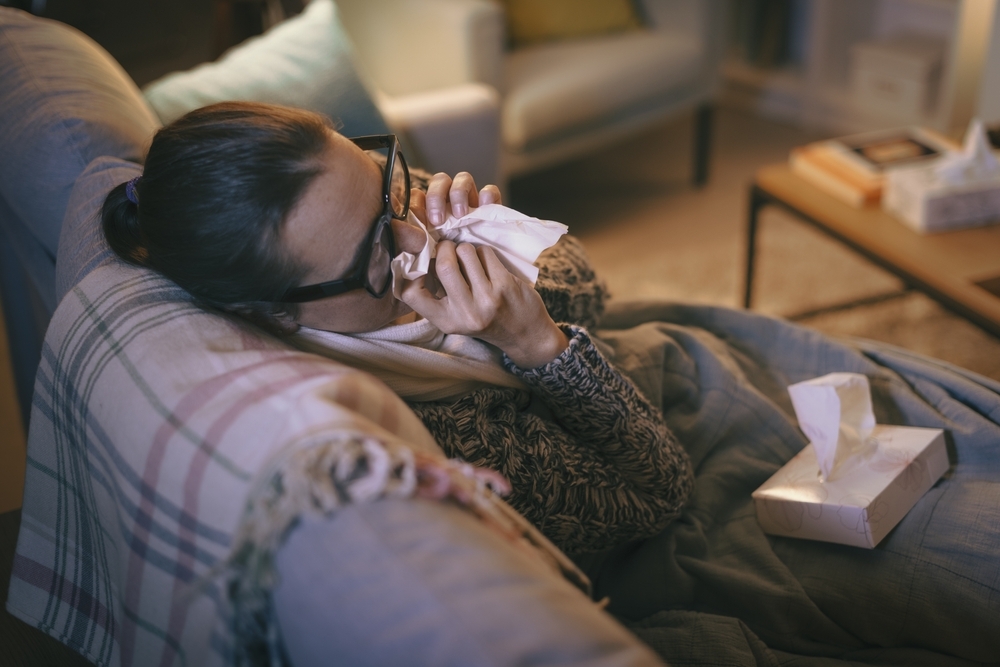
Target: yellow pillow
x,y
531,21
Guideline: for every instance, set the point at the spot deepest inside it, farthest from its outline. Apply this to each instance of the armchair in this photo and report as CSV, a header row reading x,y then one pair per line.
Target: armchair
x,y
556,100
435,69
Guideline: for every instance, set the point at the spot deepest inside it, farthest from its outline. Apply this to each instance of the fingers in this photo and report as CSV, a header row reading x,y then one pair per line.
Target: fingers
x,y
469,305
449,272
452,267
455,196
437,197
463,194
494,270
472,267
466,271
416,295
490,194
482,299
447,311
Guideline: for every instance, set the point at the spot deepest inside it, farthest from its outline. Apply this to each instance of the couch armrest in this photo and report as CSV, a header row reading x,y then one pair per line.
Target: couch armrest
x,y
407,47
451,129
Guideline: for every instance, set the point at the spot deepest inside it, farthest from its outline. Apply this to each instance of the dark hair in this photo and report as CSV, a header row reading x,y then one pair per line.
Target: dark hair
x,y
217,186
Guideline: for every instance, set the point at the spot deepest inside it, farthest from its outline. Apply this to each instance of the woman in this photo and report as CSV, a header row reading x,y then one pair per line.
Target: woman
x,y
267,212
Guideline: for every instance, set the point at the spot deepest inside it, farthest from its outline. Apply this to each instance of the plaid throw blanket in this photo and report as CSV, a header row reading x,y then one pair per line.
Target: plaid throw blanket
x,y
170,447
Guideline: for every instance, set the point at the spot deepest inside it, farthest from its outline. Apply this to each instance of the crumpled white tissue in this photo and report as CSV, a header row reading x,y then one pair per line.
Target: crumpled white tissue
x,y
974,163
518,240
835,412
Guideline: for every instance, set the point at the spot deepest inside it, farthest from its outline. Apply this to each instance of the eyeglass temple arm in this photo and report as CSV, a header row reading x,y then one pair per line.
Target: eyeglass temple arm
x,y
371,141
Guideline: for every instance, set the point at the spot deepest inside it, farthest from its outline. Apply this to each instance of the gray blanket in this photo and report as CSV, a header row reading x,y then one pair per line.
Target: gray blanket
x,y
712,589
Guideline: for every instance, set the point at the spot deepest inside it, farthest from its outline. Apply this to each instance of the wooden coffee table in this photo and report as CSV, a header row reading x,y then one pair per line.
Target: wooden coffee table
x,y
960,269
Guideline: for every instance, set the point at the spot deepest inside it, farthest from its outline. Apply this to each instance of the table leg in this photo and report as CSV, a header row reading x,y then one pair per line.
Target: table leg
x,y
702,143
758,199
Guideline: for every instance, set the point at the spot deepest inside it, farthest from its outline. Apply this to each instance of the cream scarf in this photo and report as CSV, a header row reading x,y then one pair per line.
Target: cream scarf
x,y
418,361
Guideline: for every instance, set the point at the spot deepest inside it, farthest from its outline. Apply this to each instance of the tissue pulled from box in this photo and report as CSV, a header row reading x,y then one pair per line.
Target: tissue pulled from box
x,y
959,189
974,163
516,238
835,412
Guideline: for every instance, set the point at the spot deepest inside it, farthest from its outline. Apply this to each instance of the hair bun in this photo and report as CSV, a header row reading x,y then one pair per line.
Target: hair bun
x,y
120,222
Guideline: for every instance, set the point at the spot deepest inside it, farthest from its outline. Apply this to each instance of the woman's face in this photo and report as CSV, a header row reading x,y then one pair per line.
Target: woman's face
x,y
324,233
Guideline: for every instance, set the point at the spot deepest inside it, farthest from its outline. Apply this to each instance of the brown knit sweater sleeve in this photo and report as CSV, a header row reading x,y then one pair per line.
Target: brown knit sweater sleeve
x,y
590,460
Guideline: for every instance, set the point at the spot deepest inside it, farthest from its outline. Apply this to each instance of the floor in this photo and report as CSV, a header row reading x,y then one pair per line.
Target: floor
x,y
651,235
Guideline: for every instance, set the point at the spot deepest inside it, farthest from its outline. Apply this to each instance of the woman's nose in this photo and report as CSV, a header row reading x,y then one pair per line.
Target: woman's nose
x,y
409,237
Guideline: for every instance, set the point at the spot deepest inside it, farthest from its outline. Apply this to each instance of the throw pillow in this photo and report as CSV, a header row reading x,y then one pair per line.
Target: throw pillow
x,y
532,21
306,61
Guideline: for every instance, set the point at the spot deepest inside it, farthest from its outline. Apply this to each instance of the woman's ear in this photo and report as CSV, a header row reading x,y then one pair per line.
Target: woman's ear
x,y
285,322
266,316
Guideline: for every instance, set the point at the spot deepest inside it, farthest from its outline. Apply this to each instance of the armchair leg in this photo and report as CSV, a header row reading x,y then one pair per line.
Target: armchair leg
x,y
702,143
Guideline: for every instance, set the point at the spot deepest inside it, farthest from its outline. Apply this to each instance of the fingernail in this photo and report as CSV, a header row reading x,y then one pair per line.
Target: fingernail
x,y
435,216
461,209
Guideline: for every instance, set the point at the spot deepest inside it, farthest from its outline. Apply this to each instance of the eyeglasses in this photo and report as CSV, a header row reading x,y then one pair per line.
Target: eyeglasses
x,y
371,268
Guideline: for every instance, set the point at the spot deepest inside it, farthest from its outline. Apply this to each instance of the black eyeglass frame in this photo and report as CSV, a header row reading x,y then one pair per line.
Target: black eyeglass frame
x,y
357,277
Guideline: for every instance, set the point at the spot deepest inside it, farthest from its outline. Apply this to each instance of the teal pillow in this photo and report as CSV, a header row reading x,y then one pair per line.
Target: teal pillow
x,y
306,61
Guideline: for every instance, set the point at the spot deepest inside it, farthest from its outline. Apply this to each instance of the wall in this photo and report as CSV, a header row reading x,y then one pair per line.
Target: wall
x,y
989,92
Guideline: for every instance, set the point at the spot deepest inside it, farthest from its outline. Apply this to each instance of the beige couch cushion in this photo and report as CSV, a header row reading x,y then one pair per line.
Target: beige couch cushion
x,y
556,88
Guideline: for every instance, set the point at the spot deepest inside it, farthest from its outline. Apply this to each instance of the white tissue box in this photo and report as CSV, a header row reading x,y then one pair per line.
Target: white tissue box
x,y
866,498
923,202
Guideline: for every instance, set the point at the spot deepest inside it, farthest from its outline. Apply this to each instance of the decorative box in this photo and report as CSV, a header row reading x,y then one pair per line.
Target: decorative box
x,y
898,76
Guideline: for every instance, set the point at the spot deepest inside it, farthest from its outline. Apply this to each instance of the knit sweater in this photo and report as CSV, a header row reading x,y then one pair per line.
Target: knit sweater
x,y
591,461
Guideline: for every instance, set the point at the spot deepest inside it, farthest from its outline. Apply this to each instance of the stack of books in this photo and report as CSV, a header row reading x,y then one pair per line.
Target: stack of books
x,y
853,168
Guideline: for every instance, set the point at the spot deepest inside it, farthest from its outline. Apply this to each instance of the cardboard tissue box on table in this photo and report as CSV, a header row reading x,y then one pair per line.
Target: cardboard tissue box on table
x,y
856,480
958,190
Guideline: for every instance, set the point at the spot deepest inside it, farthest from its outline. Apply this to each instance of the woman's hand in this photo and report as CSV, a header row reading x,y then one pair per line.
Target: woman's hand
x,y
483,299
444,193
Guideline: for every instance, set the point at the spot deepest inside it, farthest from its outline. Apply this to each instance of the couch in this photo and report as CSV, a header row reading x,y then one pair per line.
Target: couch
x,y
156,530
